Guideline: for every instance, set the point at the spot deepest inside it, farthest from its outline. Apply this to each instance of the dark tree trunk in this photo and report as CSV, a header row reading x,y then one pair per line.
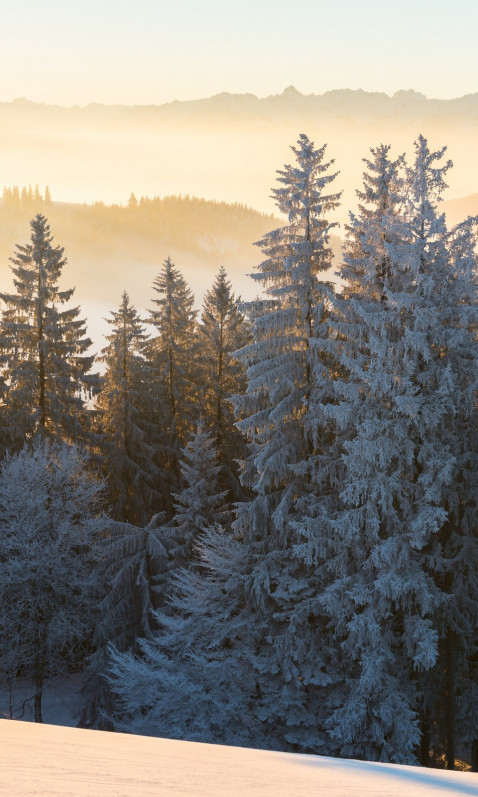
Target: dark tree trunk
x,y
38,697
220,394
425,741
474,755
450,700
41,356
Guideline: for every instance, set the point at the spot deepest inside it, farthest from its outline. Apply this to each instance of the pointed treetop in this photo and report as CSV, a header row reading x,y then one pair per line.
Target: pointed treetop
x,y
177,299
382,183
425,178
303,184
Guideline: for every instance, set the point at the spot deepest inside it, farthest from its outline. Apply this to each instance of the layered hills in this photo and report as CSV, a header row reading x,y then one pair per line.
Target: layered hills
x,y
226,147
111,248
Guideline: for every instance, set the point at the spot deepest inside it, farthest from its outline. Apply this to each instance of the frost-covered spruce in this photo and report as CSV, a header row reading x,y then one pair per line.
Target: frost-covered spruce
x,y
126,428
49,527
374,716
199,505
42,347
192,679
221,331
284,371
171,356
371,229
457,569
392,409
130,559
280,360
450,369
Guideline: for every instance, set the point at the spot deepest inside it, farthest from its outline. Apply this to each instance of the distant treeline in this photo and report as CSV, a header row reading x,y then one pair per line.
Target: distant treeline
x,y
201,225
15,197
109,243
189,222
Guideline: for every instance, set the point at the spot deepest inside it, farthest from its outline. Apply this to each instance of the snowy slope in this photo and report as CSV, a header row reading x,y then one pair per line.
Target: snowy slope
x,y
51,760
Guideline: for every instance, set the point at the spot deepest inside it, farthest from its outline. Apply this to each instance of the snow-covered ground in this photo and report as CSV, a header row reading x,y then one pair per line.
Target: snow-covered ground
x,y
52,760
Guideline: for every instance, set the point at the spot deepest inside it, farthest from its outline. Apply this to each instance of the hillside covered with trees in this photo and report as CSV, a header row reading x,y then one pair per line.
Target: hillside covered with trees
x,y
112,248
263,511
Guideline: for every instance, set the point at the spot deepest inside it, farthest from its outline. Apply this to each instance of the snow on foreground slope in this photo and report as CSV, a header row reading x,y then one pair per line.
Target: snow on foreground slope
x,y
52,760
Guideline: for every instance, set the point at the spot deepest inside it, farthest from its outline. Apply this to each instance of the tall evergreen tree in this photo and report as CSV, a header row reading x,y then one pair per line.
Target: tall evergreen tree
x,y
447,317
42,347
222,331
123,405
380,593
458,574
370,230
391,411
280,360
171,357
284,370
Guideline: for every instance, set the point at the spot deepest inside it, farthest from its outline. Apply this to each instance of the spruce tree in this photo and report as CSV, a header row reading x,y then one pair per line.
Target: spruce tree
x,y
123,407
221,331
446,264
42,347
171,357
391,411
198,505
280,361
380,594
371,230
194,679
191,678
284,371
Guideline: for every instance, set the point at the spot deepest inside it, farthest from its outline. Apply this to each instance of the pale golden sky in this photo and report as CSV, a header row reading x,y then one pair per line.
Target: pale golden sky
x,y
154,51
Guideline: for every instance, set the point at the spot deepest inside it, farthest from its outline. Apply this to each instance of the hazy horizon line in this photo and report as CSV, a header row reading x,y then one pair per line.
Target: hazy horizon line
x,y
290,90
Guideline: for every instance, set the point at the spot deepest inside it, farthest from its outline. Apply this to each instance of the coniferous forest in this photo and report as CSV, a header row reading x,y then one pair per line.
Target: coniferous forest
x,y
256,523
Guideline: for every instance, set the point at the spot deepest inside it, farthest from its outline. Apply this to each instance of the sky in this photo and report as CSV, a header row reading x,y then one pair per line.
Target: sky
x,y
154,51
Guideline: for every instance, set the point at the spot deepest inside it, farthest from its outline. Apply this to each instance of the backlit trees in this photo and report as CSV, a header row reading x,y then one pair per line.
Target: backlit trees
x,y
43,347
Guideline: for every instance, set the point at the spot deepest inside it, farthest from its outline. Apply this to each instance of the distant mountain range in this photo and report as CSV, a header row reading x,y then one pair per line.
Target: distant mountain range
x,y
224,148
291,105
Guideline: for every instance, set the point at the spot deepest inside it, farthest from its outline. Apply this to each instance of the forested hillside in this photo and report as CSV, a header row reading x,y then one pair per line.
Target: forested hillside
x,y
257,525
112,248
